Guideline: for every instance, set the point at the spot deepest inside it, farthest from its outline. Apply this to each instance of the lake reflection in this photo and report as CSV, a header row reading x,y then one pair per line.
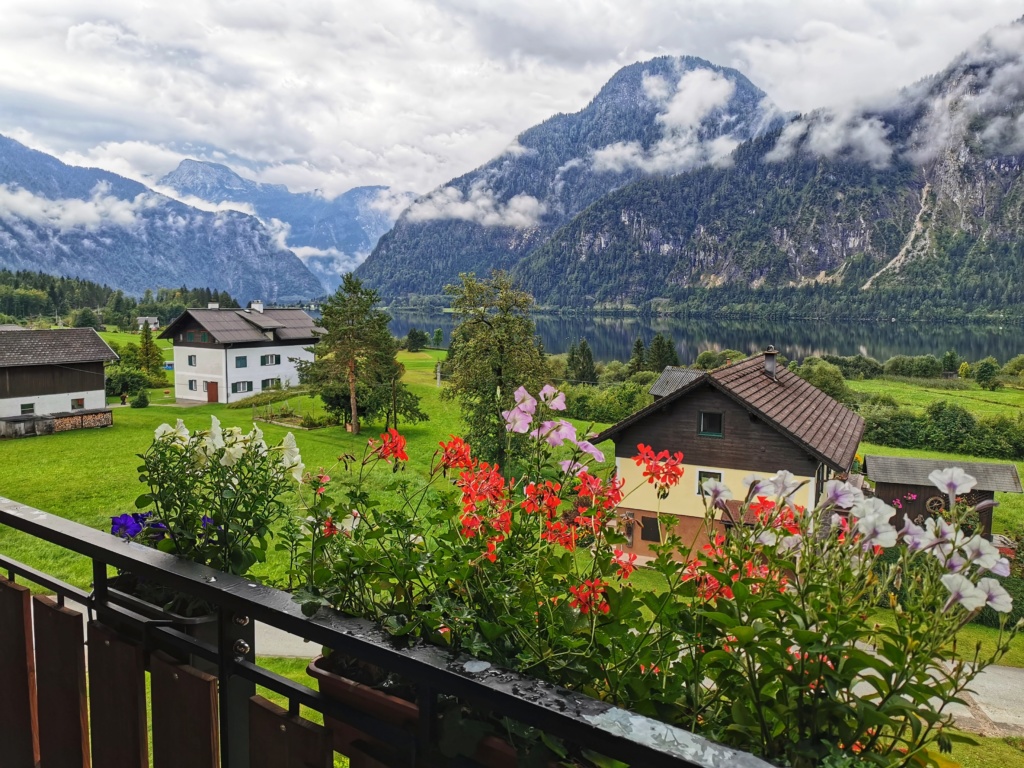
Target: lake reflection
x,y
611,338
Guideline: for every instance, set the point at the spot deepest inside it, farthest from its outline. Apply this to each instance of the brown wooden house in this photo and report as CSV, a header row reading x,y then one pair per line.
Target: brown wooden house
x,y
52,380
742,419
903,483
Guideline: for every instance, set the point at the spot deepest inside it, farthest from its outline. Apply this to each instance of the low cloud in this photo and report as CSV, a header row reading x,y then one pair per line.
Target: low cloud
x,y
831,134
682,115
205,205
331,259
985,92
101,209
392,203
480,206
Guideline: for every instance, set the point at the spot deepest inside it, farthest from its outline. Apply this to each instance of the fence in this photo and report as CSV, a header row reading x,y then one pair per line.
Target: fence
x,y
203,705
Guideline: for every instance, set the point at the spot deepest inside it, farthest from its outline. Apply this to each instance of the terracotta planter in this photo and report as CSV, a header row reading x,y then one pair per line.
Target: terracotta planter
x,y
350,741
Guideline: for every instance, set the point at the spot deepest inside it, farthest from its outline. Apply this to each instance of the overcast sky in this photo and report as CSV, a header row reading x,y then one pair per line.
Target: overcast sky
x,y
331,94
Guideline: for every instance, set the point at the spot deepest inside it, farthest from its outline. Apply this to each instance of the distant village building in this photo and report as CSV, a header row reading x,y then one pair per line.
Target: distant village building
x,y
903,483
741,419
223,355
52,380
152,322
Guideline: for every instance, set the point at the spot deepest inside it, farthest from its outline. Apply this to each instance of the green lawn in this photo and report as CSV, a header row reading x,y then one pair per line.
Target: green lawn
x,y
980,402
123,339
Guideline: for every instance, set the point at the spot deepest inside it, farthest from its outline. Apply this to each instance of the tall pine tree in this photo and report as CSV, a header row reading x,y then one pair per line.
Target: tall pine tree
x,y
638,360
661,354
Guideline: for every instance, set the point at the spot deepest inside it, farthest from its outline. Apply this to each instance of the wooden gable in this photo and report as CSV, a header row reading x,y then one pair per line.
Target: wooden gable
x,y
746,442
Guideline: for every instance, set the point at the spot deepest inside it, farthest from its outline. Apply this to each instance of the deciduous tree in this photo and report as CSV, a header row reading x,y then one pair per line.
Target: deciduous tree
x,y
493,351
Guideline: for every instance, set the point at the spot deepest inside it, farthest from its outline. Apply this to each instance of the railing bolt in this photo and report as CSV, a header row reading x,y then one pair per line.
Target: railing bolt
x,y
284,728
242,621
175,675
106,643
241,647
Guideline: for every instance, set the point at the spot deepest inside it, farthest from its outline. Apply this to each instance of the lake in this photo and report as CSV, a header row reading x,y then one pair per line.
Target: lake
x,y
611,338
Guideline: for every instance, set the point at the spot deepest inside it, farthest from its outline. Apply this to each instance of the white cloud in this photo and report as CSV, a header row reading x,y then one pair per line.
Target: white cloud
x,y
480,206
101,209
697,95
331,94
392,202
336,261
205,205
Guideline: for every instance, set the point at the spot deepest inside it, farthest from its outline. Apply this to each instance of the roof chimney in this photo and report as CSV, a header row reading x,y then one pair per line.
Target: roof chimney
x,y
213,305
256,306
769,360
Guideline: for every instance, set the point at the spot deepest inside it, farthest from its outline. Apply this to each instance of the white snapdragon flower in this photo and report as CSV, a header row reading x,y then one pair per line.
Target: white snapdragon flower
x,y
962,591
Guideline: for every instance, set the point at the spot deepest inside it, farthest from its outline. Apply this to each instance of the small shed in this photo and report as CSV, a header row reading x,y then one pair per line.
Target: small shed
x,y
903,483
152,322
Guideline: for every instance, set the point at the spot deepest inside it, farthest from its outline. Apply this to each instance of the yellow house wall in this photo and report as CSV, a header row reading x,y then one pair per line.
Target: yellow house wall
x,y
684,498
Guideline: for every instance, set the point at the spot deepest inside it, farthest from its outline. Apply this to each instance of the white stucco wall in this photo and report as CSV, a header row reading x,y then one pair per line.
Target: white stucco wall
x,y
60,403
210,367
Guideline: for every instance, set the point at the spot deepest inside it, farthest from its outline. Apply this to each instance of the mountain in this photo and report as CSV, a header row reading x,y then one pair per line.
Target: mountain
x,y
89,223
331,236
666,115
915,204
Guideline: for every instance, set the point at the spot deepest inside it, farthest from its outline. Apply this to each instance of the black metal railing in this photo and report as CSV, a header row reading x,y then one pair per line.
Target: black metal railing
x,y
571,717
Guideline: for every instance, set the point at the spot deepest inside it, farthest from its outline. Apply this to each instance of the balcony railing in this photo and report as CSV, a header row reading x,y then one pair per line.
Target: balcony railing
x,y
51,710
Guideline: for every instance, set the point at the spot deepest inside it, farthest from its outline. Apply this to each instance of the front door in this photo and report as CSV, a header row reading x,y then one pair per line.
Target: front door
x,y
211,392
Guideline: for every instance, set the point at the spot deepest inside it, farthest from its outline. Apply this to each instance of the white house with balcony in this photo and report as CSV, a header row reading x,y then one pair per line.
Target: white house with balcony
x,y
223,355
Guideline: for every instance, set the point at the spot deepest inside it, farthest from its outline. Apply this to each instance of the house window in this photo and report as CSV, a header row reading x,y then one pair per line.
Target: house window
x,y
241,386
27,409
204,337
190,336
270,360
649,529
710,424
241,362
205,385
77,403
270,384
193,385
704,475
192,360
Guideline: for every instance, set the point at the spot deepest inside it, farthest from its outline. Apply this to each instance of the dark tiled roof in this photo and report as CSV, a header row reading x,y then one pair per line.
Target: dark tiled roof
x,y
897,469
229,326
57,347
806,415
826,427
673,378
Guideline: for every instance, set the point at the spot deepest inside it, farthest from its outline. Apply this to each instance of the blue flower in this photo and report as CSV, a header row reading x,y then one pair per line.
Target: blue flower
x,y
207,521
125,525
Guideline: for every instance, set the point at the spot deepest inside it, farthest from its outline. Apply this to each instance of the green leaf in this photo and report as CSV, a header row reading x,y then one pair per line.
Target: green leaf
x,y
601,761
143,501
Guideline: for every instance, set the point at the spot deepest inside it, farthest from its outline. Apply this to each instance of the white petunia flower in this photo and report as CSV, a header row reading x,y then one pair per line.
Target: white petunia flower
x,y
996,597
963,591
841,494
784,484
952,480
716,491
232,454
979,552
1001,568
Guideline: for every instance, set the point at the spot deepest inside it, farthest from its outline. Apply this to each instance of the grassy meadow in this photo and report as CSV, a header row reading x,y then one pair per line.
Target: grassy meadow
x,y
123,339
90,475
